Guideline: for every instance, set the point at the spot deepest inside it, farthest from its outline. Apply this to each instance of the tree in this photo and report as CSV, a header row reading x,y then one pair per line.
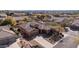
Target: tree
x,y
9,21
5,22
13,22
25,20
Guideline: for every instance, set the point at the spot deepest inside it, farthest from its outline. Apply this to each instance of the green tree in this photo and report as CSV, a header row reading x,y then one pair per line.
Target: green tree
x,y
11,22
5,22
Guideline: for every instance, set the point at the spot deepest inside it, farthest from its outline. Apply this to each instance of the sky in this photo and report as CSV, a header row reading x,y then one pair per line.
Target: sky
x,y
39,5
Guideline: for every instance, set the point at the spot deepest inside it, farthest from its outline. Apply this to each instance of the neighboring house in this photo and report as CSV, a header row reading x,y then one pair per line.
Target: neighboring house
x,y
75,25
19,14
27,31
18,18
59,19
6,38
3,16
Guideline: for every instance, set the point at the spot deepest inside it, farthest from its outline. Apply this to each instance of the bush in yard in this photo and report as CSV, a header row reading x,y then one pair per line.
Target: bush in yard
x,y
9,21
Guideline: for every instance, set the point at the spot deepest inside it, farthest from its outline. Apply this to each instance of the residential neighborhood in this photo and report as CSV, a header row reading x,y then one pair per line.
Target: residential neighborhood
x,y
39,29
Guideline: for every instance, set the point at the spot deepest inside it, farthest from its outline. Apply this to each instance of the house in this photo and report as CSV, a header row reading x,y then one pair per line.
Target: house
x,y
19,18
27,31
6,38
19,14
75,25
42,27
3,16
59,19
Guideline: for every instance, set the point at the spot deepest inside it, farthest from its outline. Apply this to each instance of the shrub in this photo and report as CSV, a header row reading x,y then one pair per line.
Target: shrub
x,y
76,40
11,22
